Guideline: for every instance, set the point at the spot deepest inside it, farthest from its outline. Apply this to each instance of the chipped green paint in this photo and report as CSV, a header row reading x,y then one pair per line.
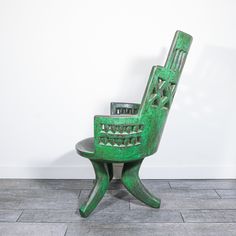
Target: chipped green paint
x,y
133,131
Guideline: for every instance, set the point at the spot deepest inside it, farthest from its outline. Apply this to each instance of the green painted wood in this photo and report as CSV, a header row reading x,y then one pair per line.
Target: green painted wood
x,y
132,182
99,189
133,131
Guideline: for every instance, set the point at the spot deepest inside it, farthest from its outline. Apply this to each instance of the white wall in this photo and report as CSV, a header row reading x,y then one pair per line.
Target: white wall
x,y
62,62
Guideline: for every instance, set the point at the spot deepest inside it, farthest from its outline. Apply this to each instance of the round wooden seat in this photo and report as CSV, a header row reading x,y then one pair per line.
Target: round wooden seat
x,y
85,147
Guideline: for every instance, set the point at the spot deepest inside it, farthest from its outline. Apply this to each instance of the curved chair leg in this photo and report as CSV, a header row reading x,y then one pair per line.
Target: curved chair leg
x,y
110,170
132,182
98,191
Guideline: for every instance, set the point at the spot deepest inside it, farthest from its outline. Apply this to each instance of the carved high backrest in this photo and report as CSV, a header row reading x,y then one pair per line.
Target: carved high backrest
x,y
161,88
134,131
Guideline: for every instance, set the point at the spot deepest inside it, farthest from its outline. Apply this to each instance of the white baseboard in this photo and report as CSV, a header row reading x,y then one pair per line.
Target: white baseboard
x,y
146,172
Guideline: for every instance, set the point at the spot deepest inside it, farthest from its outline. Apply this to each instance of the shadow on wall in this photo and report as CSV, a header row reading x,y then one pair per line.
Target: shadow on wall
x,y
131,88
204,112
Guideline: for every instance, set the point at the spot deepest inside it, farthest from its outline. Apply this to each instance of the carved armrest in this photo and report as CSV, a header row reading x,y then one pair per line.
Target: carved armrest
x,y
120,108
117,131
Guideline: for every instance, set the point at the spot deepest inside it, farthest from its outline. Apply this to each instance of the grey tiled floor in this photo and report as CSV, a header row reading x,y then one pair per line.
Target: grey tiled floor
x,y
50,207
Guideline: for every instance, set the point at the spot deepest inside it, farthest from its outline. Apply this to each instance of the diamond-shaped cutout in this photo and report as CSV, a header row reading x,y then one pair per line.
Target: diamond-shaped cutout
x,y
154,90
172,88
160,82
167,104
165,92
156,102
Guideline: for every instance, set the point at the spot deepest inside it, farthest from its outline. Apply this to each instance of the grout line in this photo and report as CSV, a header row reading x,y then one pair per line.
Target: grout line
x,y
117,223
218,193
20,216
182,216
90,188
136,209
66,230
169,185
78,197
100,222
182,188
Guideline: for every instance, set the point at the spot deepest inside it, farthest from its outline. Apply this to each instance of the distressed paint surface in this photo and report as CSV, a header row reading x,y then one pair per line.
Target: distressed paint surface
x,y
133,131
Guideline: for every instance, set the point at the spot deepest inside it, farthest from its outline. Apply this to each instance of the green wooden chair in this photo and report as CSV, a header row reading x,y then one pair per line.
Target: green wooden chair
x,y
133,131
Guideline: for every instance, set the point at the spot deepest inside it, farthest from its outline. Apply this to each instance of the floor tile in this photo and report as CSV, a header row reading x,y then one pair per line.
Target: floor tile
x,y
46,184
229,193
203,184
184,193
50,216
12,203
28,229
188,203
209,216
144,216
39,199
155,229
9,215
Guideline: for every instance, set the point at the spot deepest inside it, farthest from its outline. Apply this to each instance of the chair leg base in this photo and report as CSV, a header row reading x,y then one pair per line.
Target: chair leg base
x,y
130,179
83,212
98,191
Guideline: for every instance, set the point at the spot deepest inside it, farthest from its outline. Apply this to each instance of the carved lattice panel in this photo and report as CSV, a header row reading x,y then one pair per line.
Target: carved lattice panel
x,y
120,135
162,93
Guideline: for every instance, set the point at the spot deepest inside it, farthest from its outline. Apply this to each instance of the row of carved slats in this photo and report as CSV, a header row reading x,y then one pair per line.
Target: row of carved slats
x,y
120,142
128,111
178,60
121,128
